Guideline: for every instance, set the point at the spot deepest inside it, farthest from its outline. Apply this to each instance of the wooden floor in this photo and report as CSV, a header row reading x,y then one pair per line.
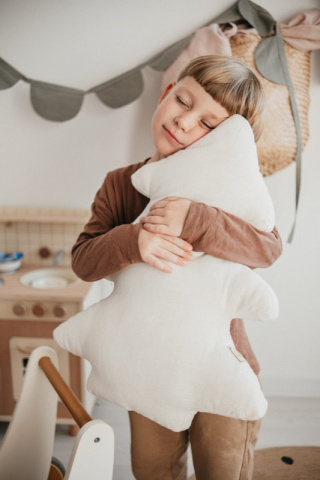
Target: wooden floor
x,y
289,421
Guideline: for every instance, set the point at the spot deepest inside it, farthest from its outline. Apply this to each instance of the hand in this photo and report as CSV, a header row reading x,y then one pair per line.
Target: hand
x,y
155,248
242,344
167,216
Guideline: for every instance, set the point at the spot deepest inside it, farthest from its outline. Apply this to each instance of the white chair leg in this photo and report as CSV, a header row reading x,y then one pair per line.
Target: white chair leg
x,y
93,453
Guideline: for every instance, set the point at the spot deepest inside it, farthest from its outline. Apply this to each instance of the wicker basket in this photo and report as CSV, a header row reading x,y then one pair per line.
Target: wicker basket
x,y
278,142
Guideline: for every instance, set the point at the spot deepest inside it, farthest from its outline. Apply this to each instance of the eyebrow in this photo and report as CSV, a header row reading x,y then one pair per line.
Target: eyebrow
x,y
193,97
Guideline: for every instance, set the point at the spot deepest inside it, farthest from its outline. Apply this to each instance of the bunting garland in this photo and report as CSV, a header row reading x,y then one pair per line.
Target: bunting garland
x,y
58,103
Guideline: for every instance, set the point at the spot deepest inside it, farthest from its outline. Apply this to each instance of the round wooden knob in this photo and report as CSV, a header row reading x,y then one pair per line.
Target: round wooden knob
x,y
59,311
38,310
19,309
44,252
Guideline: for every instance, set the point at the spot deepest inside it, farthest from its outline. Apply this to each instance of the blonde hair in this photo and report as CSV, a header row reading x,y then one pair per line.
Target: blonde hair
x,y
232,84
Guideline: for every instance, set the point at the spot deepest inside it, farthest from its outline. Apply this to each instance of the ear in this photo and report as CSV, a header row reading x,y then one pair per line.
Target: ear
x,y
166,91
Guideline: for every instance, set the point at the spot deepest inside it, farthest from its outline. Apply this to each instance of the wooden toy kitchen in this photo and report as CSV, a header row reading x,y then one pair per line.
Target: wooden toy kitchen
x,y
37,296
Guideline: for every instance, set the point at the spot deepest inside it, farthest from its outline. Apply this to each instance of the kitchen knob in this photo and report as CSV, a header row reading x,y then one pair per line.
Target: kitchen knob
x,y
44,252
19,309
59,311
39,310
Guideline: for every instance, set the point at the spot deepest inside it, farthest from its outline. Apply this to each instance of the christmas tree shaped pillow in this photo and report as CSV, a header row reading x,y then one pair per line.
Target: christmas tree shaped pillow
x,y
160,344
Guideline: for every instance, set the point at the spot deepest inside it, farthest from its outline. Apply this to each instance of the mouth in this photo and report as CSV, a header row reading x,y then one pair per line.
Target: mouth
x,y
171,136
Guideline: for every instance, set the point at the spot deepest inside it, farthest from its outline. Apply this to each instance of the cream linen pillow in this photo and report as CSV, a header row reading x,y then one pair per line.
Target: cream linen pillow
x,y
160,344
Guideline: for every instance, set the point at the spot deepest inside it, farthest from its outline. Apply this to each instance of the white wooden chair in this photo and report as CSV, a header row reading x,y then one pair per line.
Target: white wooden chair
x,y
26,450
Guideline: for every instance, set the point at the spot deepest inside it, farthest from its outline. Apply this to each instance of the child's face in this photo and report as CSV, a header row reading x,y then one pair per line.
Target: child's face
x,y
185,113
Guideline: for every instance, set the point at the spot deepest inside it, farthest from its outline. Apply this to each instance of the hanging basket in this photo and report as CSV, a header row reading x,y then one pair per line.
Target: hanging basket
x,y
278,143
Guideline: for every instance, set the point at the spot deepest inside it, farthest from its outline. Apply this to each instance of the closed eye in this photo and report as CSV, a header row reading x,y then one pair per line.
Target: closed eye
x,y
181,101
207,125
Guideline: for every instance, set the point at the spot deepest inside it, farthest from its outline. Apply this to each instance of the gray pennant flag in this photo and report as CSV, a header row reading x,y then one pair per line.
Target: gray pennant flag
x,y
9,76
54,102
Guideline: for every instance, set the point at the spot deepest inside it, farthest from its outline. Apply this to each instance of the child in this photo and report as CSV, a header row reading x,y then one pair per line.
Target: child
x,y
208,91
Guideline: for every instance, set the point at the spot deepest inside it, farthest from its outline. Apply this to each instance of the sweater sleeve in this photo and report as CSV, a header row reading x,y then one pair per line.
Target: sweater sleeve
x,y
226,236
109,241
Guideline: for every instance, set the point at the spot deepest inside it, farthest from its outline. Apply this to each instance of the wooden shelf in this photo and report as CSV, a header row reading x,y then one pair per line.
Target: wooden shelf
x,y
43,215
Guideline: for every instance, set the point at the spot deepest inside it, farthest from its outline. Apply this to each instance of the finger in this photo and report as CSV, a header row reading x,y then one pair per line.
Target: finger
x,y
174,254
169,199
157,212
156,228
155,219
165,202
158,264
179,242
162,203
163,229
159,204
178,259
176,244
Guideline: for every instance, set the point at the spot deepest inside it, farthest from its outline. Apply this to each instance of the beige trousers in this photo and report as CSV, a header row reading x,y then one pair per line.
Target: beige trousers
x,y
222,448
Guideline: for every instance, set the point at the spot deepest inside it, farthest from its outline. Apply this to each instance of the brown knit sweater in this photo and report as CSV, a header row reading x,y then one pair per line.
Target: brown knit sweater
x,y
109,241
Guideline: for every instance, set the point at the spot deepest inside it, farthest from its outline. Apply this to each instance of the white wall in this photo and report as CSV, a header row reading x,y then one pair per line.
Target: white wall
x,y
81,44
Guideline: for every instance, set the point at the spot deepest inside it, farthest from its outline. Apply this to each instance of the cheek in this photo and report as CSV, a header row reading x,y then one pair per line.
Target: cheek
x,y
197,134
154,129
156,121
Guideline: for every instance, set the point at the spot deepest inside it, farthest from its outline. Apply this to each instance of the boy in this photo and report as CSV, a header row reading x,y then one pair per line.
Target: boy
x,y
208,91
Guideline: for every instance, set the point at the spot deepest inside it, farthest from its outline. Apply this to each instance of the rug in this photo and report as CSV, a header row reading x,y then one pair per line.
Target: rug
x,y
286,463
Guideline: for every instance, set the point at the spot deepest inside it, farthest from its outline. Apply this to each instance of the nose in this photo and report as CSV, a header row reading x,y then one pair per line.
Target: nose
x,y
185,121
